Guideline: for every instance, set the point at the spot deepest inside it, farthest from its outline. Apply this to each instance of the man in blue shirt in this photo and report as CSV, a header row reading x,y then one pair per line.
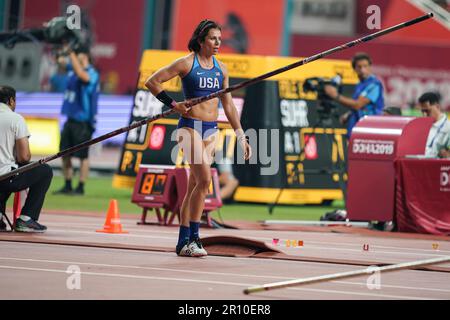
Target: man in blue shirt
x,y
80,107
58,81
368,97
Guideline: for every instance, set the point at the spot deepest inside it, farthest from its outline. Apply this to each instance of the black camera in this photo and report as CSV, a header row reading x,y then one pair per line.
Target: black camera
x,y
54,32
317,84
57,32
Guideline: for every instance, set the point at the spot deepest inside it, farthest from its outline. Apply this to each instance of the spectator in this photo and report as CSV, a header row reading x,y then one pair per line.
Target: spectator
x,y
14,152
438,142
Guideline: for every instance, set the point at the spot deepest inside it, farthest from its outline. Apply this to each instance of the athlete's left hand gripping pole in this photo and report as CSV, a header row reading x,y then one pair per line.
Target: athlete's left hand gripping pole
x,y
195,101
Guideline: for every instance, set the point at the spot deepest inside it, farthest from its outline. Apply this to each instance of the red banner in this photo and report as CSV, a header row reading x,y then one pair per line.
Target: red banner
x,y
250,26
423,196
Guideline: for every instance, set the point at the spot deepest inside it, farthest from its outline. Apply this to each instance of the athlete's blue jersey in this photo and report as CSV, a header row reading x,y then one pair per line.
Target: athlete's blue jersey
x,y
80,98
200,82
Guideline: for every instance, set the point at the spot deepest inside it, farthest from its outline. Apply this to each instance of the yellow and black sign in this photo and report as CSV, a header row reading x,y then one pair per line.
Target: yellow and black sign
x,y
277,104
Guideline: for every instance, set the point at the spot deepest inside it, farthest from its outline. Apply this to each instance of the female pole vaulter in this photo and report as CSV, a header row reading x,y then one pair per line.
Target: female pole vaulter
x,y
201,74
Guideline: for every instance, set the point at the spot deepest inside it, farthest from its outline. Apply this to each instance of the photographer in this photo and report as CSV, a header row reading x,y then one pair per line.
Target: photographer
x,y
80,107
368,96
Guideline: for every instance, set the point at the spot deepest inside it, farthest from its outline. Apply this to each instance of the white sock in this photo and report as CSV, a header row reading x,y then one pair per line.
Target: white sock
x,y
24,218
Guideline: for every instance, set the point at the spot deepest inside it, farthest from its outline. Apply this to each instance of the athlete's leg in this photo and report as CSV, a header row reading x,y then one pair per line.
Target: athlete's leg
x,y
202,174
189,141
185,216
199,180
186,138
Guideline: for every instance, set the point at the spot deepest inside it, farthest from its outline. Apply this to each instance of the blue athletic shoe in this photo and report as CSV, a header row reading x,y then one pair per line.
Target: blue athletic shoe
x,y
29,226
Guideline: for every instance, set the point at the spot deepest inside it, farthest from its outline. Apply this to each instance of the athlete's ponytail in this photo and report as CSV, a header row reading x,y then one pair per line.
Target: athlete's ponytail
x,y
200,33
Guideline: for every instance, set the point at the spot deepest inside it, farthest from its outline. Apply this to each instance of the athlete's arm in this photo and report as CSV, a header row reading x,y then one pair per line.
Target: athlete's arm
x,y
232,114
155,81
179,67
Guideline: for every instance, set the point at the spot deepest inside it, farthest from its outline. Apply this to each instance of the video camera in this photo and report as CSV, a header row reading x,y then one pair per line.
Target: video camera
x,y
316,84
54,32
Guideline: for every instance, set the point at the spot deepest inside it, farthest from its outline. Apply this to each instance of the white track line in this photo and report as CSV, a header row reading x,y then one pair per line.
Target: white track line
x,y
200,272
124,235
260,260
97,226
372,251
269,239
142,268
301,248
128,276
392,286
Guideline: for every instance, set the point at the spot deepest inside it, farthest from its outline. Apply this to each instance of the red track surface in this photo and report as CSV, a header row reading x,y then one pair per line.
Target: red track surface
x,y
142,264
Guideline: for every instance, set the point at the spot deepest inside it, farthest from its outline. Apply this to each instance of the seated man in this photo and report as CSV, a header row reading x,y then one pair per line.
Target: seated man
x,y
438,142
14,152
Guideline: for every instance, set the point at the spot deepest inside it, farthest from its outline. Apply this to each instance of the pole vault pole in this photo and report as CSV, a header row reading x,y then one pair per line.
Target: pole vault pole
x,y
343,275
195,101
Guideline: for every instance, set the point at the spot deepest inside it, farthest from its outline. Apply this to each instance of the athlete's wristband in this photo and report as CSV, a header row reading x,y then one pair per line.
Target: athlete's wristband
x,y
243,138
166,99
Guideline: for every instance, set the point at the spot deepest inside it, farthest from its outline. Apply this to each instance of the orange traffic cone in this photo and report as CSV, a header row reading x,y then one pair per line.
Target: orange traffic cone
x,y
112,223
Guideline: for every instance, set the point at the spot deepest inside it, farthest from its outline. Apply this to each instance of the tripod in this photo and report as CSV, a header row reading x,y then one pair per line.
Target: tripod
x,y
326,113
